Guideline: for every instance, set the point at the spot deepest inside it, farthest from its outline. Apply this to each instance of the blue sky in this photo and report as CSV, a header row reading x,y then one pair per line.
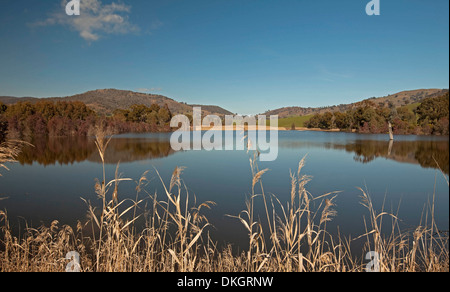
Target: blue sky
x,y
247,56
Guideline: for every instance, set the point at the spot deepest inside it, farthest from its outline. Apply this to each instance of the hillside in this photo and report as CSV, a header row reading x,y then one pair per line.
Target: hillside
x,y
397,99
217,110
108,100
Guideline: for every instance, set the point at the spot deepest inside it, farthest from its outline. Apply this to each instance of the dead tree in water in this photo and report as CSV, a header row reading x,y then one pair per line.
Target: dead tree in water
x,y
391,133
392,116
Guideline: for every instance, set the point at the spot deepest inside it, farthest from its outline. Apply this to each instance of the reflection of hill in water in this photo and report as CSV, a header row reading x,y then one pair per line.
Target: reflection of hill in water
x,y
422,152
72,150
50,151
416,152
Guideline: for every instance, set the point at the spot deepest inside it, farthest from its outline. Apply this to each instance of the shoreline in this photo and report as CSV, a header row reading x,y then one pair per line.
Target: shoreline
x,y
303,129
255,128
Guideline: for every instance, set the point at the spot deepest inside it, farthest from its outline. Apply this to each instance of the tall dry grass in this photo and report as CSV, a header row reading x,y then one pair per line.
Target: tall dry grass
x,y
9,150
171,234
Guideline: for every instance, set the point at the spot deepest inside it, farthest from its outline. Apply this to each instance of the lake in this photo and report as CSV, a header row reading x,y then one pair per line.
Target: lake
x,y
51,178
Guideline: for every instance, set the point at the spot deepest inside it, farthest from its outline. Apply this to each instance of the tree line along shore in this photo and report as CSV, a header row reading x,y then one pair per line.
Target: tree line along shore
x,y
74,118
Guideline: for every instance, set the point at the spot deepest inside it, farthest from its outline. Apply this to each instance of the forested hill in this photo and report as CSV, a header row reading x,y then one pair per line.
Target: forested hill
x,y
108,100
397,99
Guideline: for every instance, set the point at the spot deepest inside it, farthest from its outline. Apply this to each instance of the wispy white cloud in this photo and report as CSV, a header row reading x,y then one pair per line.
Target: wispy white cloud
x,y
96,19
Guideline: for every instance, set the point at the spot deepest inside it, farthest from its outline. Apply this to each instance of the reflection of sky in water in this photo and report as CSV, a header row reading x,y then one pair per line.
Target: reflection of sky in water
x,y
39,192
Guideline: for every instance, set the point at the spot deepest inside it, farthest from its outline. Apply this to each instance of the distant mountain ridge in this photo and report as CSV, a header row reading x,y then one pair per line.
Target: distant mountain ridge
x,y
397,99
108,100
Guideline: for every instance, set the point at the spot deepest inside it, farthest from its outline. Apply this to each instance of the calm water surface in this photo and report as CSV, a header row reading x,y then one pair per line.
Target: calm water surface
x,y
52,177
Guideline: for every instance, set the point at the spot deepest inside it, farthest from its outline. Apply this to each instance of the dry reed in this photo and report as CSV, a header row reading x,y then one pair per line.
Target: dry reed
x,y
171,234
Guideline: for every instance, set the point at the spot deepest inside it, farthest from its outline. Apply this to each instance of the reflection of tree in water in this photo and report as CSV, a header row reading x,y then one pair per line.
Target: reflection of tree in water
x,y
421,152
427,153
129,149
364,153
50,151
